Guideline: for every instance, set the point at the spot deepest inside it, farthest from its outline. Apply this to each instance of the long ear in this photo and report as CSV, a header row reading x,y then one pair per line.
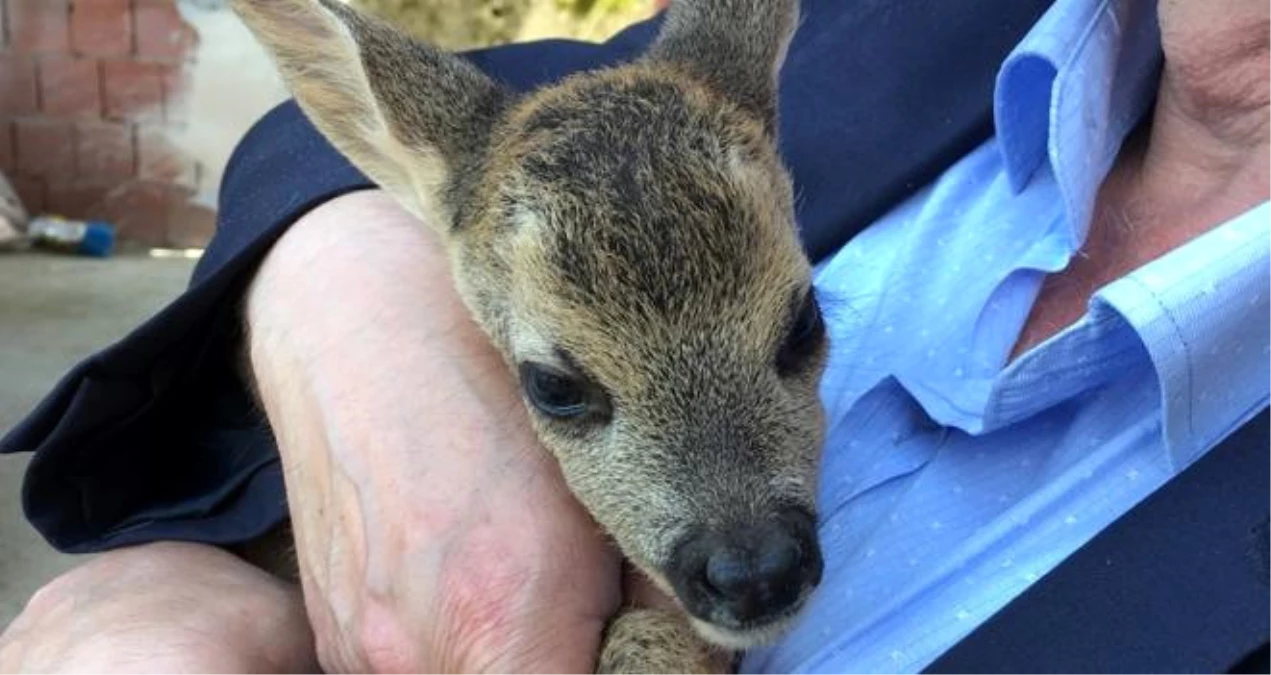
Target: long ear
x,y
735,46
414,119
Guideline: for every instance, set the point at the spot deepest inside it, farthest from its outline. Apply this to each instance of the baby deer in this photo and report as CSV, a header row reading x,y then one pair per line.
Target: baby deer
x,y
626,238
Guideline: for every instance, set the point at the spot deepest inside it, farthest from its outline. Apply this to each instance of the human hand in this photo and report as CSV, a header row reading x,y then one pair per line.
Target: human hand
x,y
161,608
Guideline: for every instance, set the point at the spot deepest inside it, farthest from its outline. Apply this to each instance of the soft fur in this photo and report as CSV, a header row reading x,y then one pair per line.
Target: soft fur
x,y
633,226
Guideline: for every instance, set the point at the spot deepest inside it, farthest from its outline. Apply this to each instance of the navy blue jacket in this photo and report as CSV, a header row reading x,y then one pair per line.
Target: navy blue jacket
x,y
154,437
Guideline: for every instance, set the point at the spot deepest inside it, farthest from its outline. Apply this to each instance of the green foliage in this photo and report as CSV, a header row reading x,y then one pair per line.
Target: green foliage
x,y
464,24
454,24
586,7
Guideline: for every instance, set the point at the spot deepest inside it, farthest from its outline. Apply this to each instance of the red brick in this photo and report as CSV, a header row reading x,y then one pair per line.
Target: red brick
x,y
139,210
39,26
45,148
80,199
17,86
161,33
176,81
31,192
101,27
158,159
7,159
70,88
133,90
189,225
104,150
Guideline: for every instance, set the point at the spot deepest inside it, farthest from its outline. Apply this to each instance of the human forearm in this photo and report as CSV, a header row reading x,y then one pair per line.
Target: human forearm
x,y
433,531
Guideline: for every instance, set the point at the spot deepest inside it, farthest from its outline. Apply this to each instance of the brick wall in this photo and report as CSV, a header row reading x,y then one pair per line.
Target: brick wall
x,y
88,90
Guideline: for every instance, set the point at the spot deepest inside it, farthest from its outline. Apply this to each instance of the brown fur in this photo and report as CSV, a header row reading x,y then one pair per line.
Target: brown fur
x,y
633,227
657,641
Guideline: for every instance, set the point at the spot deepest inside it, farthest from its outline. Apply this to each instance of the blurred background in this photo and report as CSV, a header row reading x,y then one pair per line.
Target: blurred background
x,y
116,119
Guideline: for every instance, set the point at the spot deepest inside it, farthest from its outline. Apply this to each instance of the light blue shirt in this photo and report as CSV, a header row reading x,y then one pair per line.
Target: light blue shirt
x,y
952,481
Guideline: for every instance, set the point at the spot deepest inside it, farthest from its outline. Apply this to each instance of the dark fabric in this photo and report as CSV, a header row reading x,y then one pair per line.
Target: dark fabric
x,y
1179,584
122,454
155,438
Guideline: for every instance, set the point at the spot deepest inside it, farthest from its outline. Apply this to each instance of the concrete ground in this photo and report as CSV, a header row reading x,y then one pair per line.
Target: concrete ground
x,y
54,311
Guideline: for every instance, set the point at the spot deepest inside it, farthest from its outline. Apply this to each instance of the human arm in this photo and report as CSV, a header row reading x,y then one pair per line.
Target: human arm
x,y
433,533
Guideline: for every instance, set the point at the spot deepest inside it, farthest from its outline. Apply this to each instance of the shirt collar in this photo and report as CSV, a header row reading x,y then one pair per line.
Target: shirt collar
x,y
1200,316
1070,92
1066,98
1203,311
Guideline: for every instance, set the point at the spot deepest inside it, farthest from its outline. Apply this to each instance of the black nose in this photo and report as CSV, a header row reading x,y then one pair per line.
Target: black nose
x,y
746,575
767,568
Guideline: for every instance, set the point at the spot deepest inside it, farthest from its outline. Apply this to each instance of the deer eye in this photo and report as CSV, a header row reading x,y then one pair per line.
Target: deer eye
x,y
552,392
807,331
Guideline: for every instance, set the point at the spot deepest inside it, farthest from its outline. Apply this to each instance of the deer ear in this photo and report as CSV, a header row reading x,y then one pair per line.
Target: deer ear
x,y
412,118
735,46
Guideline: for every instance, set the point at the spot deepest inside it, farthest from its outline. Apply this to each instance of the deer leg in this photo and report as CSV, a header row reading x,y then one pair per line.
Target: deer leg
x,y
658,641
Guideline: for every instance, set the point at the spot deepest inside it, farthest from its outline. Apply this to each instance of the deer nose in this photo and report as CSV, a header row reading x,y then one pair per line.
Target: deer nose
x,y
769,569
744,576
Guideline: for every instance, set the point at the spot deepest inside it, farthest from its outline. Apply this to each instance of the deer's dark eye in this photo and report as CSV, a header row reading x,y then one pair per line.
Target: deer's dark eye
x,y
553,392
807,331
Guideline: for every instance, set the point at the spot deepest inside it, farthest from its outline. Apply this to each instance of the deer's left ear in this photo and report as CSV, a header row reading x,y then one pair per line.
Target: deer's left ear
x,y
412,118
735,46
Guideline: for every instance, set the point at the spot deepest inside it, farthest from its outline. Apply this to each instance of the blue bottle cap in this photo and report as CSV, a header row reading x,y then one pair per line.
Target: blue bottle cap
x,y
99,240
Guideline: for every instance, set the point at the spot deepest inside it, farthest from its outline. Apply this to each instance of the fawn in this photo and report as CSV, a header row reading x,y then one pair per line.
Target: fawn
x,y
626,238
